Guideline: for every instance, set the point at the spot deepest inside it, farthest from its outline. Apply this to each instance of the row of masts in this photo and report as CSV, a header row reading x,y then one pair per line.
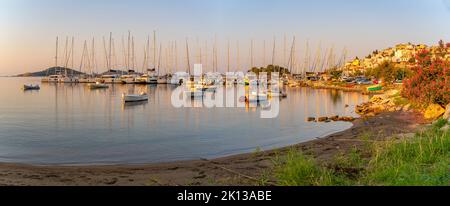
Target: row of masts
x,y
166,58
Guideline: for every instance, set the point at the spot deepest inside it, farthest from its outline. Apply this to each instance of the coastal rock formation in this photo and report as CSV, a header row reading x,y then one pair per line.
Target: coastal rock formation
x,y
323,119
311,119
334,118
346,119
447,112
434,111
381,103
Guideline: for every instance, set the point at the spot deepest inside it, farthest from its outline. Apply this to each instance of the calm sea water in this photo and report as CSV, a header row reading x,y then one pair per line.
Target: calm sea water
x,y
70,124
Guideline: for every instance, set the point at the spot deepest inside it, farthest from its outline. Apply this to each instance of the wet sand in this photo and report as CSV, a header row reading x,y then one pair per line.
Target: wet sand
x,y
243,169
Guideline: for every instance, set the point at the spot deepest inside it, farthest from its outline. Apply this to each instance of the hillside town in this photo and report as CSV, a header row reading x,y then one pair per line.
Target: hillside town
x,y
402,55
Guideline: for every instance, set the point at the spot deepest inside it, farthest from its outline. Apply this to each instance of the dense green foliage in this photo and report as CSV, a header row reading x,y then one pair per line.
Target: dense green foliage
x,y
388,72
269,69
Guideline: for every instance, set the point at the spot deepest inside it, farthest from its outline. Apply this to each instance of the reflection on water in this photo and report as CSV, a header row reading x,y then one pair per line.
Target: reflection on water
x,y
69,123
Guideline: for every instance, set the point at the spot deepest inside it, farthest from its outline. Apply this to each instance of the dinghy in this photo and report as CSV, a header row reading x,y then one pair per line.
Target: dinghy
x,y
31,87
135,97
375,88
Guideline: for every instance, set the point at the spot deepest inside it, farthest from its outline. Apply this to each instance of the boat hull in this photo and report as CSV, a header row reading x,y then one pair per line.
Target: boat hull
x,y
375,88
98,86
134,98
31,87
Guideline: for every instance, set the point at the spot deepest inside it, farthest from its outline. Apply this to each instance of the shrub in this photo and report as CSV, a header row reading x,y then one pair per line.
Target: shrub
x,y
430,82
389,72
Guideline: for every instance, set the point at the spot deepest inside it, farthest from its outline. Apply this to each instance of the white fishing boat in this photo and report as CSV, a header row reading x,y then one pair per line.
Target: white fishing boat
x,y
135,97
97,85
194,92
179,78
257,96
31,87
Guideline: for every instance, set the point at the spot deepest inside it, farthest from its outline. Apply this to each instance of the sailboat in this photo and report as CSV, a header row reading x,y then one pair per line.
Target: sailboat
x,y
129,78
85,78
149,76
54,78
69,78
160,79
111,77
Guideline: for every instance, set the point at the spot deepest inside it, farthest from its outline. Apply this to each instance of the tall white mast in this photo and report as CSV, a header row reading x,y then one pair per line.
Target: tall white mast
x,y
251,54
110,47
94,65
154,48
228,66
72,54
176,57
284,48
238,66
187,56
206,55
56,54
128,51
264,53
273,51
159,58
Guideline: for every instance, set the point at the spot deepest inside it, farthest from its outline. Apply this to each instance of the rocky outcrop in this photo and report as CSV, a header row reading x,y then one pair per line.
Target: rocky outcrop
x,y
447,112
381,103
335,118
434,111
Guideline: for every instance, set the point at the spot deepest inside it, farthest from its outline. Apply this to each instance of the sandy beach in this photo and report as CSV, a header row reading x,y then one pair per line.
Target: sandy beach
x,y
243,169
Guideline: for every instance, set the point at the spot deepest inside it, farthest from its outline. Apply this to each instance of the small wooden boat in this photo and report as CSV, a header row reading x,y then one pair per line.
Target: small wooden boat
x,y
97,85
375,88
135,97
31,87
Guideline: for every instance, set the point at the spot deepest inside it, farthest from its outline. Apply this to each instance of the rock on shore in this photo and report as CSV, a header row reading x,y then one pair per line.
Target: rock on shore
x,y
447,112
434,111
381,103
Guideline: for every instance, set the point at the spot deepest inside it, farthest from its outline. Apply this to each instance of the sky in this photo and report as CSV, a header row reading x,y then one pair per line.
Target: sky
x,y
28,28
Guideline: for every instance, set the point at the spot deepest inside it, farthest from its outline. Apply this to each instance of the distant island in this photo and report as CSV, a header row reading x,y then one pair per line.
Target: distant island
x,y
50,71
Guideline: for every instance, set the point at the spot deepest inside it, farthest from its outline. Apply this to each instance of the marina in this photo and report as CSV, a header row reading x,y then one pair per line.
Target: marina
x,y
224,93
72,124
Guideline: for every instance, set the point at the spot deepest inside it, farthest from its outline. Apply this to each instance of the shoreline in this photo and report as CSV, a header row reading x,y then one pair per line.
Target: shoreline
x,y
240,169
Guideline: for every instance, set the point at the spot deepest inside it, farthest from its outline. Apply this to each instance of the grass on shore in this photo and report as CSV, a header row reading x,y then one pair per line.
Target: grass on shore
x,y
420,160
